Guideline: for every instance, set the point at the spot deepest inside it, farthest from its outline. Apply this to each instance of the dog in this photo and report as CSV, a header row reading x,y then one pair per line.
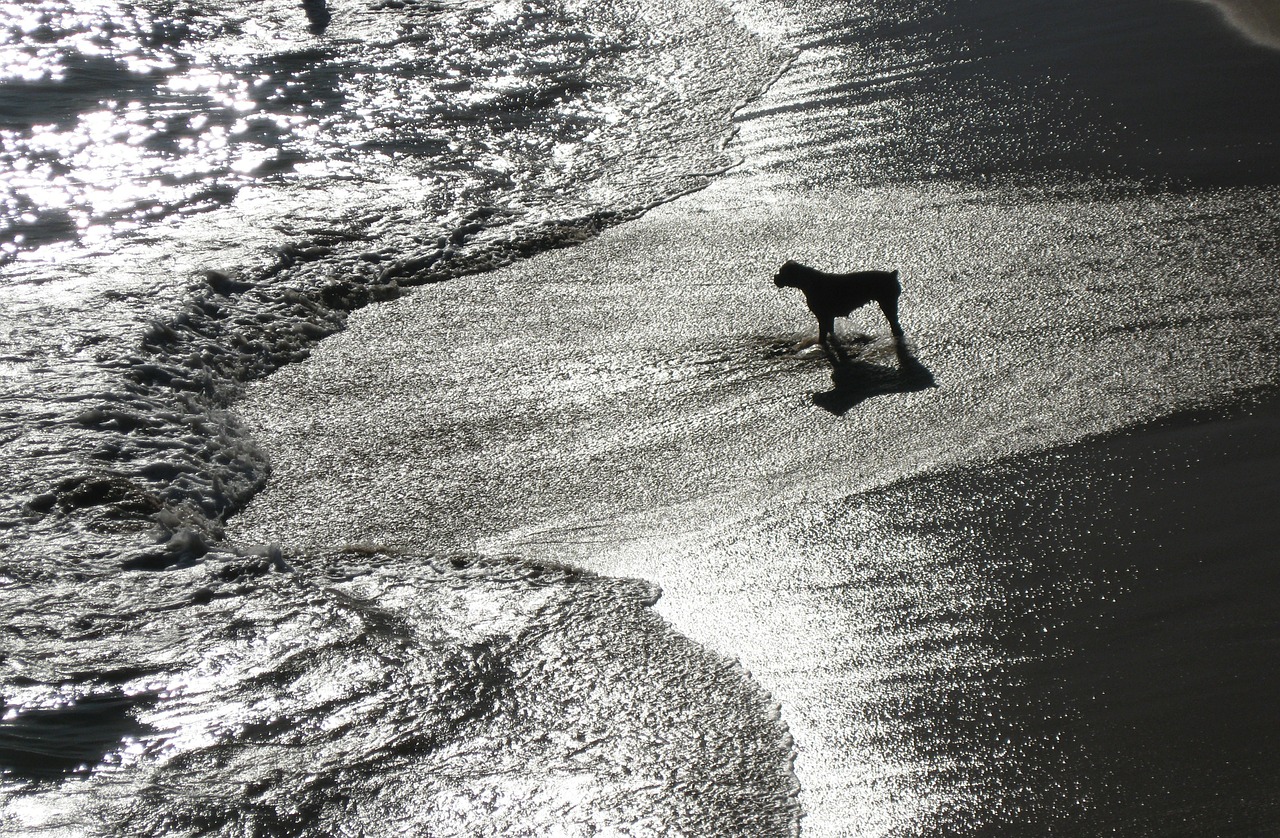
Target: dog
x,y
837,295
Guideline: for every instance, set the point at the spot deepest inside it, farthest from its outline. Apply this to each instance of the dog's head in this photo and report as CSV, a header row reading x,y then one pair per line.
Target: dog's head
x,y
786,274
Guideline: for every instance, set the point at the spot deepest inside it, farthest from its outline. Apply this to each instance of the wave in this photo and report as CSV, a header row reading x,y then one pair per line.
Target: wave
x,y
122,117
193,201
380,694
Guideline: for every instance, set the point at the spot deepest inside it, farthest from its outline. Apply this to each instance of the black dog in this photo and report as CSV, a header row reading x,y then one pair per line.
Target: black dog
x,y
836,295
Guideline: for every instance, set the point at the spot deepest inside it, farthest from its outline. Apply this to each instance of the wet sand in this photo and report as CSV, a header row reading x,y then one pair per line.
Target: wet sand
x,y
1165,665
1129,622
643,406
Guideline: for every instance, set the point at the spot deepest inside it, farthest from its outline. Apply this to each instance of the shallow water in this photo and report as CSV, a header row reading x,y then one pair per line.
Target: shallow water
x,y
122,115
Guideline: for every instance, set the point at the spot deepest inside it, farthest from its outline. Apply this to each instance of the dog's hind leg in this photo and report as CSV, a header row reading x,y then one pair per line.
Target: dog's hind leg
x,y
889,305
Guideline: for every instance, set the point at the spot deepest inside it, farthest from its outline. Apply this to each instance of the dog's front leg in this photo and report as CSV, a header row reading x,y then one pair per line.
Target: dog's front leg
x,y
827,338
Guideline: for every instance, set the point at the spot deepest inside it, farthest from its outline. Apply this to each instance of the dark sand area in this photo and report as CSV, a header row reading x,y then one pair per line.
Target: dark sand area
x,y
1026,91
1139,622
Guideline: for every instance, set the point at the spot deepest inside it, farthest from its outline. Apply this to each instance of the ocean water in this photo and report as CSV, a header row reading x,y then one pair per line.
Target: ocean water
x,y
194,195
403,581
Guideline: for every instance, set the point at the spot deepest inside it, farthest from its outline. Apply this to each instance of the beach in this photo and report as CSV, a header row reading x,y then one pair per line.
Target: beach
x,y
428,450
942,636
903,557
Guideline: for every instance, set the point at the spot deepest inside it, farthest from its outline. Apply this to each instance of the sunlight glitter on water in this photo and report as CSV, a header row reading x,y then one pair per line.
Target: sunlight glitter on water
x,y
118,129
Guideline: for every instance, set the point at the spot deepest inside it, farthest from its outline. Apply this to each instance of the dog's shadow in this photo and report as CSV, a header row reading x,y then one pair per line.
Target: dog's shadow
x,y
862,368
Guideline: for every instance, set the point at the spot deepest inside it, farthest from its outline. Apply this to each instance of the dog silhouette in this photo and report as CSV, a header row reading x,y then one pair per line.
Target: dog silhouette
x,y
831,295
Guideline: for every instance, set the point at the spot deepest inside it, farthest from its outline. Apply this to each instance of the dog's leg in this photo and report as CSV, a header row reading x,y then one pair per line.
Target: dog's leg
x,y
827,338
826,327
890,308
